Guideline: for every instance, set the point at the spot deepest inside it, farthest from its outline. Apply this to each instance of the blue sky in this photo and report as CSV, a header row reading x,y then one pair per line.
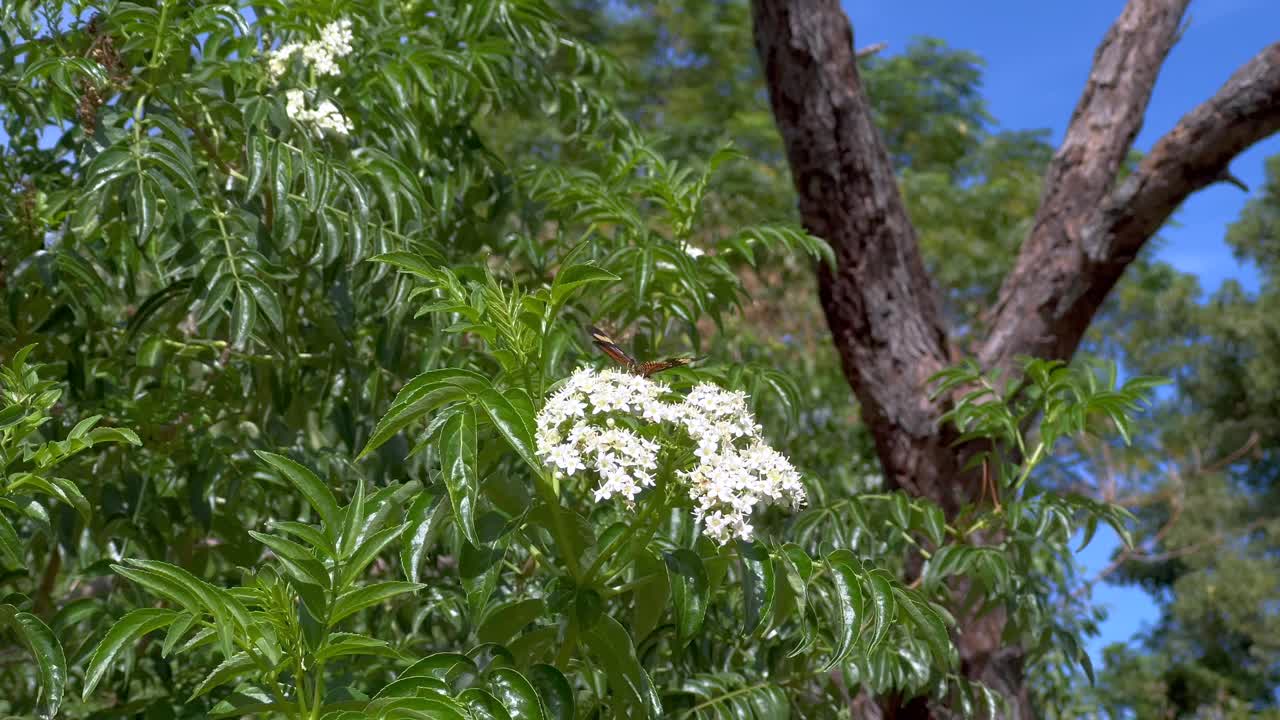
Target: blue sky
x,y
1037,58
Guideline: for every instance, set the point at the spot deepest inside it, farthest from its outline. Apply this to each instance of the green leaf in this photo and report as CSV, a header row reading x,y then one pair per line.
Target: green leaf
x,y
353,522
443,665
369,549
51,664
425,518
128,629
424,708
267,300
408,262
515,426
458,467
882,606
516,694
758,585
574,277
177,631
229,614
935,525
689,591
243,310
554,690
225,672
849,610
298,560
612,647
479,568
505,621
356,600
483,705
927,622
11,549
421,395
312,488
144,202
306,533
257,157
650,599
168,586
342,644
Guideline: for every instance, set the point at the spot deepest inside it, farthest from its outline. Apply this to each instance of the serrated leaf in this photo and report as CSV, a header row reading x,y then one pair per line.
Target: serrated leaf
x,y
689,591
571,278
128,629
367,550
849,605
612,647
514,425
50,663
315,491
758,585
458,468
225,672
356,600
343,644
425,517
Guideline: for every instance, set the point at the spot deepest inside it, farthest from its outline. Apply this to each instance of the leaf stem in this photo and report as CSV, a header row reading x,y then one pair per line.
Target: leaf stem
x,y
627,534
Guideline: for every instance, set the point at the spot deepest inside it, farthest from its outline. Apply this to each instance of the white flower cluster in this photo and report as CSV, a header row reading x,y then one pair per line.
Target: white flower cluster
x,y
735,471
326,116
321,55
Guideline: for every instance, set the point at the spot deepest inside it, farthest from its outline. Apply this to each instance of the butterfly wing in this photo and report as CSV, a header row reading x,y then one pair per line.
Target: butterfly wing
x,y
657,366
610,348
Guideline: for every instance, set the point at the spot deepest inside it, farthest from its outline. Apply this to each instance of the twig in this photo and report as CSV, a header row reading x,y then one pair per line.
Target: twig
x,y
870,50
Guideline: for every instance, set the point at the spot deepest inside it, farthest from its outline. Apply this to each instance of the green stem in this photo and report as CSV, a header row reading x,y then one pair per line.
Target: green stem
x,y
628,587
161,29
568,646
625,535
693,711
1030,465
319,691
298,680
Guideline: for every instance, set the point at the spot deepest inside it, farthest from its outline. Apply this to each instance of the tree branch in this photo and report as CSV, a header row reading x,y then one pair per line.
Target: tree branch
x,y
1087,230
879,301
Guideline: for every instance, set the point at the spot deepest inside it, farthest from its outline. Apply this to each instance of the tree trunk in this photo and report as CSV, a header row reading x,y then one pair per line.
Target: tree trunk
x,y
879,301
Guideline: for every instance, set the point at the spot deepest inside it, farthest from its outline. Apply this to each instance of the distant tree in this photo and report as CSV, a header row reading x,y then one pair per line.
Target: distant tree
x,y
880,301
1209,531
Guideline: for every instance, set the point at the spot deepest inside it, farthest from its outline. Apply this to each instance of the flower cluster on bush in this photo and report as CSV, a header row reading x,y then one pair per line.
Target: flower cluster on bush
x,y
324,117
735,469
321,57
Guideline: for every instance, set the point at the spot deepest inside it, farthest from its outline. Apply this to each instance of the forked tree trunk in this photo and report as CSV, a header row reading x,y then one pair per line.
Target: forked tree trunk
x,y
880,303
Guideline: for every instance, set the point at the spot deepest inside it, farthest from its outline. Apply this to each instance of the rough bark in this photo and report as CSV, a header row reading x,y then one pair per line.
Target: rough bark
x,y
880,302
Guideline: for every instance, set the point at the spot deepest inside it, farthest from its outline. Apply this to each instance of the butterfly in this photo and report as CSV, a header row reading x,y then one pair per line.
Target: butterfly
x,y
620,356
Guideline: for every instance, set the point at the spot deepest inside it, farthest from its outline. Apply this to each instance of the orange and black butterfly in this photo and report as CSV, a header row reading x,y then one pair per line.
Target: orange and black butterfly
x,y
620,356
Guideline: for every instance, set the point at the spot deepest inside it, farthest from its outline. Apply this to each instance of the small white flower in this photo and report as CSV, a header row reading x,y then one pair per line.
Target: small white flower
x,y
325,118
278,61
295,104
694,251
566,458
321,55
